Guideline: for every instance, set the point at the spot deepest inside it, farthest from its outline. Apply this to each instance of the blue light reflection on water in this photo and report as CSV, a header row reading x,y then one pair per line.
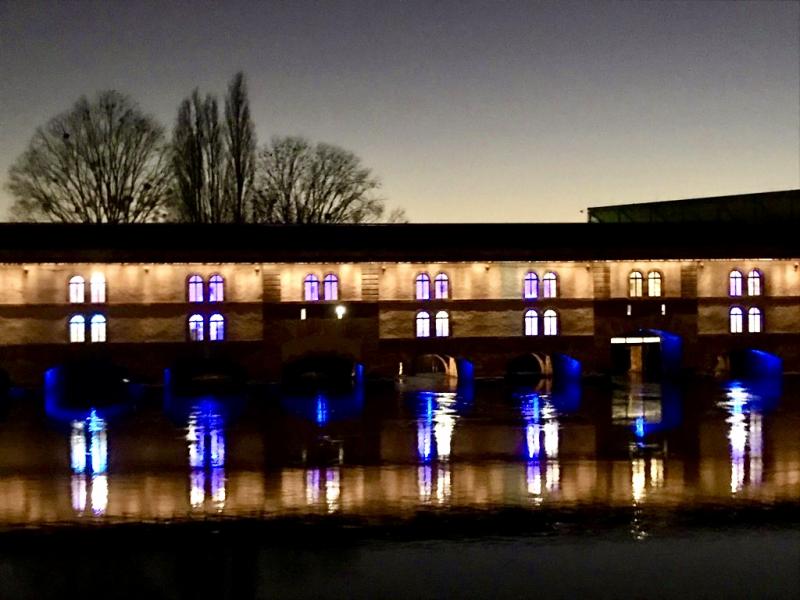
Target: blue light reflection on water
x,y
89,460
745,403
205,436
541,434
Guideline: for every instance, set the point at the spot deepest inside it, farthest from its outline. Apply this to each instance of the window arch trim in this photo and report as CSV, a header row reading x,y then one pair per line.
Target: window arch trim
x,y
422,286
216,288
194,288
635,284
422,324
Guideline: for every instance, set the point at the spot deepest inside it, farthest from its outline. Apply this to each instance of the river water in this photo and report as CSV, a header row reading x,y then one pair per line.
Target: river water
x,y
612,489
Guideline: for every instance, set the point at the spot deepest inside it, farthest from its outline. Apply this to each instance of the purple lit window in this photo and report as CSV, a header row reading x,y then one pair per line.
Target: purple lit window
x,y
311,288
196,328
441,289
216,288
423,286
195,283
423,323
530,286
549,285
330,287
216,328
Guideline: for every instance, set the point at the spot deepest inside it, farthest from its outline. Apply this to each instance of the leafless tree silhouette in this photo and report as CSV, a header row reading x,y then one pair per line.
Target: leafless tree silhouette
x,y
102,161
301,183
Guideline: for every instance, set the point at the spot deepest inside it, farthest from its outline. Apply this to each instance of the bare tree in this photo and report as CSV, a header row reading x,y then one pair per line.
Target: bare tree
x,y
240,151
301,183
102,161
197,150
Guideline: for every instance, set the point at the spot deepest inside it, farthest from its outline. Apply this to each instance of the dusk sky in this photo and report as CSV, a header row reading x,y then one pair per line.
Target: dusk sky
x,y
467,111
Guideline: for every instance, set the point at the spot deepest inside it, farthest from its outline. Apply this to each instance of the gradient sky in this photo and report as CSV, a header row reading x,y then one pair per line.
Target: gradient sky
x,y
467,111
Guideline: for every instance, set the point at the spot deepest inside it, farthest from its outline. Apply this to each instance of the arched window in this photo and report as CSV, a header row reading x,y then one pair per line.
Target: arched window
x,y
423,286
442,324
441,288
736,320
423,322
754,281
654,284
635,284
97,328
97,288
550,322
549,285
530,286
195,283
754,320
330,287
531,322
77,328
76,290
735,283
311,288
216,328
216,288
196,328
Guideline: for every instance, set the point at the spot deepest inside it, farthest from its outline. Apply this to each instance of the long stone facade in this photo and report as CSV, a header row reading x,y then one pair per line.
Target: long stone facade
x,y
268,319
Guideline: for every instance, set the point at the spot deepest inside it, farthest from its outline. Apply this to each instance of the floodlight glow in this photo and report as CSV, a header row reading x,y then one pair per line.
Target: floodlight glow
x,y
340,310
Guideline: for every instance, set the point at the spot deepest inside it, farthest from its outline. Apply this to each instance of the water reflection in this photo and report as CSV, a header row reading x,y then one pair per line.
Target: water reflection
x,y
89,463
745,435
541,431
205,437
436,424
323,487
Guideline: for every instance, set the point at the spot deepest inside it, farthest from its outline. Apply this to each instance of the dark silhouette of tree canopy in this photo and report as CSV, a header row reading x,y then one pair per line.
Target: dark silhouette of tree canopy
x,y
240,157
102,161
301,183
214,163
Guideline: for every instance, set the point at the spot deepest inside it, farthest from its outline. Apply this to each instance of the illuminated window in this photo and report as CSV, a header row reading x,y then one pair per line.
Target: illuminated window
x,y
654,284
735,283
550,322
530,286
754,283
97,328
195,283
216,288
97,288
77,329
442,324
311,288
635,284
216,328
441,288
423,286
423,324
736,320
549,285
754,320
531,322
76,290
196,328
330,287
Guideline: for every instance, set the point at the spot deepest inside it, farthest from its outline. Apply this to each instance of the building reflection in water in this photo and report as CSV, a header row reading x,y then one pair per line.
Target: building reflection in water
x,y
435,426
205,435
745,436
541,433
89,463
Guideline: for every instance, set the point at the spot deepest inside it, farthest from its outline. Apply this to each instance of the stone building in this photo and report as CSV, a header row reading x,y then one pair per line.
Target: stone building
x,y
659,297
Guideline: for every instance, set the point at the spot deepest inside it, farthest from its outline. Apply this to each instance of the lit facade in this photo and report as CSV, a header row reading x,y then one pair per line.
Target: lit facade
x,y
264,296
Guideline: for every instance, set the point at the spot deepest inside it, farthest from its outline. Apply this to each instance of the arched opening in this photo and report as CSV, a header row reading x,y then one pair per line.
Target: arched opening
x,y
317,370
646,353
529,367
